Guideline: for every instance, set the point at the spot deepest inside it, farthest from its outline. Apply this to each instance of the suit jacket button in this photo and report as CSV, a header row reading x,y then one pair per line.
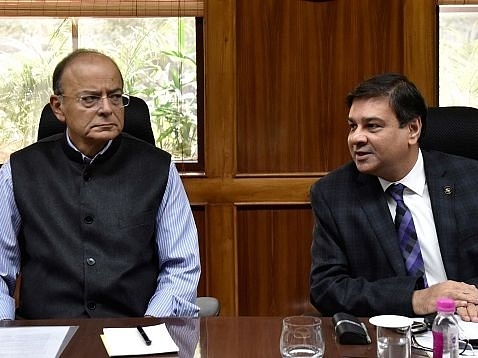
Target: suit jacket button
x,y
88,219
90,261
91,305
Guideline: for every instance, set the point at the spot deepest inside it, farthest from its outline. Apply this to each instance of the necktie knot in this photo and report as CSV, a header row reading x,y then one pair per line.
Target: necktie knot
x,y
396,191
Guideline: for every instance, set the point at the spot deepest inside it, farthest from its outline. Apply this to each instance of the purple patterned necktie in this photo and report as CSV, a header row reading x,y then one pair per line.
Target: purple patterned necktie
x,y
407,235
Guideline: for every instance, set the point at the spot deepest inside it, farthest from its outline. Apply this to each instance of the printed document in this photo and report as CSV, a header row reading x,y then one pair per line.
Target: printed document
x,y
34,341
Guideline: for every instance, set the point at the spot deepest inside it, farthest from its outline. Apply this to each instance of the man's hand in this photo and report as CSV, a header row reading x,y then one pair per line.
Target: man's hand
x,y
465,296
468,313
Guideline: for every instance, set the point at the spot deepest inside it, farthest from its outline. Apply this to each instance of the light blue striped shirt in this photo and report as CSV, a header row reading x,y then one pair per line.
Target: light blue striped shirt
x,y
176,237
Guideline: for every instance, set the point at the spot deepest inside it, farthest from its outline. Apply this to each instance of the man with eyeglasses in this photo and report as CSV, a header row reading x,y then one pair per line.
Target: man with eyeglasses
x,y
95,221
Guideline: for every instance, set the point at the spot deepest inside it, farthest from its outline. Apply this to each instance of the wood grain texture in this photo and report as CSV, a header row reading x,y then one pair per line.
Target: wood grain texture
x,y
300,60
420,36
273,255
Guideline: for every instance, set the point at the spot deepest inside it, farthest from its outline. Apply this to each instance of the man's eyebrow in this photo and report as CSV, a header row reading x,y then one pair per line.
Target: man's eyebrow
x,y
365,119
117,90
370,119
98,92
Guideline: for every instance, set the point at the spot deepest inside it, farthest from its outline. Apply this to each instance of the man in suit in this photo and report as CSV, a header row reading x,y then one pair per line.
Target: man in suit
x,y
357,263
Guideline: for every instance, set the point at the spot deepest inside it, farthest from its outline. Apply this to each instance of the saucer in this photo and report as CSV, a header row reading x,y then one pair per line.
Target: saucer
x,y
391,321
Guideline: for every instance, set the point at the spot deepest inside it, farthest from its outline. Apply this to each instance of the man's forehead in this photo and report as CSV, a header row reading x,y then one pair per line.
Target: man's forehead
x,y
96,74
97,79
93,64
93,83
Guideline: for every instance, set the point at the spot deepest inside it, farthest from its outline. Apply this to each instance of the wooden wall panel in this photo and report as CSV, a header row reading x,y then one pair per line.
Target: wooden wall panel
x,y
273,256
420,38
221,256
300,59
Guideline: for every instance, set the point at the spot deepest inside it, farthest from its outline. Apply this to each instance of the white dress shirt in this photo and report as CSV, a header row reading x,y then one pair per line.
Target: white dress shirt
x,y
417,199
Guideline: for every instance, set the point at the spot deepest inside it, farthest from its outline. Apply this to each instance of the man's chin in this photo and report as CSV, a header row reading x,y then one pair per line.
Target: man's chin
x,y
104,134
365,168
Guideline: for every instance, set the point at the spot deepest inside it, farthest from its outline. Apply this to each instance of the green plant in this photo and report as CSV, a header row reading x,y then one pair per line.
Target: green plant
x,y
458,66
26,70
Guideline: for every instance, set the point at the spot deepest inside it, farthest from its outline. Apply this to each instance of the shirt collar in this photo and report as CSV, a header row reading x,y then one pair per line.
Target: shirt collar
x,y
87,159
414,180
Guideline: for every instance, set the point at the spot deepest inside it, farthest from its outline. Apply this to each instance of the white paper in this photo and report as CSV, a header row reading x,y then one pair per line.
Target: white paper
x,y
34,341
468,330
128,341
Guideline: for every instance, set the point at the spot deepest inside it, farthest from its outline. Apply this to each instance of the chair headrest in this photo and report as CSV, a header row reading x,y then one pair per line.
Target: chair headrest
x,y
452,130
137,121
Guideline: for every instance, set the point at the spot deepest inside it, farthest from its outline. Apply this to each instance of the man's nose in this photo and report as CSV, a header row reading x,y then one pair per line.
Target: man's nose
x,y
105,104
358,136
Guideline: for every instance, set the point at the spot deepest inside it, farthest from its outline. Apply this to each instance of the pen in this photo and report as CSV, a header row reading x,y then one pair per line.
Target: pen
x,y
144,335
366,333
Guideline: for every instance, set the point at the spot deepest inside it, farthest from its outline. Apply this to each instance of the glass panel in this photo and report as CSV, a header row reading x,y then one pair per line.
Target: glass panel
x,y
29,51
458,56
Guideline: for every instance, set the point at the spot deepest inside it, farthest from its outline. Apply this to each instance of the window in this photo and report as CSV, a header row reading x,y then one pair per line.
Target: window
x,y
458,55
160,59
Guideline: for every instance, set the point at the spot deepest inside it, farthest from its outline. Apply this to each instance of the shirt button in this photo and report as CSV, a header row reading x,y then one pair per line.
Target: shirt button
x,y
91,305
90,261
88,219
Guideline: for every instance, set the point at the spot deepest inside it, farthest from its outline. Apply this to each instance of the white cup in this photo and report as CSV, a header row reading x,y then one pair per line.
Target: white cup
x,y
301,336
393,336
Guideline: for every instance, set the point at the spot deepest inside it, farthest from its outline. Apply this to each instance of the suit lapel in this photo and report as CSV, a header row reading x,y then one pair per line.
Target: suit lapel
x,y
374,204
441,189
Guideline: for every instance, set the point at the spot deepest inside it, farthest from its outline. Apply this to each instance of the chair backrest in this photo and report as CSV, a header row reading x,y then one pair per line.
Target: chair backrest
x,y
452,130
137,121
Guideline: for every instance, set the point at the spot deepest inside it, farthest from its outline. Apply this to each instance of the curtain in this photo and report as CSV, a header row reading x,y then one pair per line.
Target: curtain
x,y
102,8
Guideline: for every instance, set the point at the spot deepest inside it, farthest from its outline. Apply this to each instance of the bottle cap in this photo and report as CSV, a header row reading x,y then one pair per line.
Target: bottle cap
x,y
445,304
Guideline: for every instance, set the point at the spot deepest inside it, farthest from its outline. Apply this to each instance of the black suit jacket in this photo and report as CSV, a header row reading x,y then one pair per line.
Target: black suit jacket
x,y
357,266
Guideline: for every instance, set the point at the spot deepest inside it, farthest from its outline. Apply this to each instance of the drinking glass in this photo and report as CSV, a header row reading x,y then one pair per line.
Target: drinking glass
x,y
393,336
301,336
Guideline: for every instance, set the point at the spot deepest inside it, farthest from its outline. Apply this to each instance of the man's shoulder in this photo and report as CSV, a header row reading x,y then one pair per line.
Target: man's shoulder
x,y
446,160
143,145
37,146
344,174
341,182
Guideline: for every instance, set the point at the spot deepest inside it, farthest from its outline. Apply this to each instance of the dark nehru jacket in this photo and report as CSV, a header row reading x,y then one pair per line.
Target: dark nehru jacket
x,y
88,246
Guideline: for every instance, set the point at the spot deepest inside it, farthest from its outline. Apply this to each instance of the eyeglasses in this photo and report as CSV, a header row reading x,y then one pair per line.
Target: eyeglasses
x,y
92,101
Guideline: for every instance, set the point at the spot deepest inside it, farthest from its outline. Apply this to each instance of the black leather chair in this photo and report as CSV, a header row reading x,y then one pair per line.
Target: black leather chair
x,y
452,130
137,121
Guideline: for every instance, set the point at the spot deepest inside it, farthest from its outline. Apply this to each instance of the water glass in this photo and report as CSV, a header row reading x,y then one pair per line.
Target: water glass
x,y
393,336
301,336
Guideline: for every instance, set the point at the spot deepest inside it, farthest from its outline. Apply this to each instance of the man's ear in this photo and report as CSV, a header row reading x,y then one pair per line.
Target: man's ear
x,y
415,128
55,104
